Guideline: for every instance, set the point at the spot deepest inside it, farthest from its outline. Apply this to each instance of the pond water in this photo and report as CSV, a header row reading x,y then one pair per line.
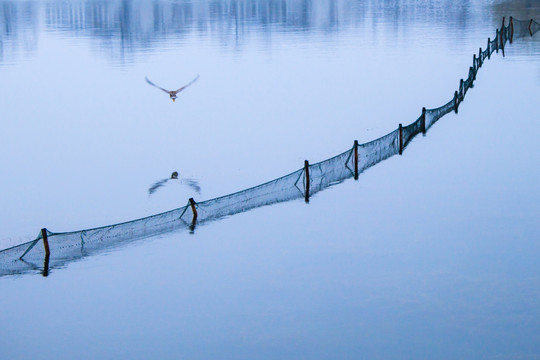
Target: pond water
x,y
432,254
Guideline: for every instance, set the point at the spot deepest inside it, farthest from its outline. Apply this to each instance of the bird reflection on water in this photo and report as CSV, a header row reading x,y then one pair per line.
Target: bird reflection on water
x,y
192,183
172,93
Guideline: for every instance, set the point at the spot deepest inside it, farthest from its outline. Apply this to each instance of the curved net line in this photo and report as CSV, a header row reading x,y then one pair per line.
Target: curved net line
x,y
69,246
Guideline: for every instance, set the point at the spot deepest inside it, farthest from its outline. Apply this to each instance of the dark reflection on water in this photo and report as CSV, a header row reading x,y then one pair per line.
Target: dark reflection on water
x,y
18,28
127,27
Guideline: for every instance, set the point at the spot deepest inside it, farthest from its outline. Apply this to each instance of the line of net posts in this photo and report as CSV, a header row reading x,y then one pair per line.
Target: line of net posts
x,y
506,33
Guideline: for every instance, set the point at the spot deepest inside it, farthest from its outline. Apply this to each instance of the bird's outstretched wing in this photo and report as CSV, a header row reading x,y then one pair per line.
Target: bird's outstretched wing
x,y
156,186
151,83
193,184
185,86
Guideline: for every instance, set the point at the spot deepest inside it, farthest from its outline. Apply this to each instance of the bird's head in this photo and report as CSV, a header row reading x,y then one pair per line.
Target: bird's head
x,y
174,175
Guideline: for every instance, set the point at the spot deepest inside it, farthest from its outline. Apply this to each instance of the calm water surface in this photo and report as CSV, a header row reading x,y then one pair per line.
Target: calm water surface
x,y
430,255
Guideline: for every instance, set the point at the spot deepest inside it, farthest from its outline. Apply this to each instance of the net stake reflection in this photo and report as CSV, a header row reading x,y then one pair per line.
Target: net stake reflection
x,y
45,272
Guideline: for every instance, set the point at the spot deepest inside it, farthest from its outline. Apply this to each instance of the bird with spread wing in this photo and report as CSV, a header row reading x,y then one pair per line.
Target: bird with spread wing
x,y
192,183
172,93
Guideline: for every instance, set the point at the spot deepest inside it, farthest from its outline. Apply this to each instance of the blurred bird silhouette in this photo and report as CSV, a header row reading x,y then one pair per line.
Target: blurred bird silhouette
x,y
172,93
192,183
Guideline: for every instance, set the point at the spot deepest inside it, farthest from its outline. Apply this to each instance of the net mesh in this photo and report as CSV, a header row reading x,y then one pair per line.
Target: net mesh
x,y
285,188
433,115
69,246
411,130
525,28
493,45
378,150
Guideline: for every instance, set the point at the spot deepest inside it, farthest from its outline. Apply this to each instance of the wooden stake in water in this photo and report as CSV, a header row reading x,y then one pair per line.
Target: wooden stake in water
x,y
502,36
511,29
456,101
489,48
530,27
480,57
45,242
306,171
423,121
194,210
47,252
355,159
472,75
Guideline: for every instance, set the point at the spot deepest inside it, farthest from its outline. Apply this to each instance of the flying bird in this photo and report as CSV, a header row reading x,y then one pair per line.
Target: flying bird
x,y
172,93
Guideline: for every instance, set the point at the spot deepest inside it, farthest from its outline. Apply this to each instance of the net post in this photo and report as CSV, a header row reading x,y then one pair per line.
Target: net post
x,y
44,236
489,48
355,159
475,63
45,242
473,74
497,41
480,57
423,121
501,33
530,27
194,210
306,171
461,90
511,29
456,103
400,139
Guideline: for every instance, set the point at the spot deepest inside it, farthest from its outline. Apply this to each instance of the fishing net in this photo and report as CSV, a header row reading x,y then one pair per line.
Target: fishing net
x,y
302,183
411,130
433,115
378,150
524,28
285,188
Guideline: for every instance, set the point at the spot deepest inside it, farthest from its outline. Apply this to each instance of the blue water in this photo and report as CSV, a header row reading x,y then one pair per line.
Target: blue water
x,y
429,255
